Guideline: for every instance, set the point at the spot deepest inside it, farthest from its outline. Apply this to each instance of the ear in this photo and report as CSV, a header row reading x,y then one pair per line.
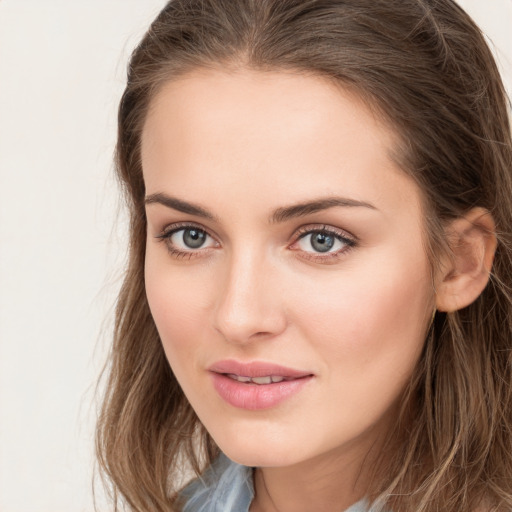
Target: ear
x,y
465,272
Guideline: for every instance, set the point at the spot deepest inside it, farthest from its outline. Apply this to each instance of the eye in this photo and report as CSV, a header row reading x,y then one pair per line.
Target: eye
x,y
187,240
320,241
323,242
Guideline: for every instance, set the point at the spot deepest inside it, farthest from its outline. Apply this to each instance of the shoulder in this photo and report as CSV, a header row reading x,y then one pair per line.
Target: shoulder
x,y
224,487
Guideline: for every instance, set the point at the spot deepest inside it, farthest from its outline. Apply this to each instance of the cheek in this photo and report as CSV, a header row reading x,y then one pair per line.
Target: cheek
x,y
371,319
368,329
178,301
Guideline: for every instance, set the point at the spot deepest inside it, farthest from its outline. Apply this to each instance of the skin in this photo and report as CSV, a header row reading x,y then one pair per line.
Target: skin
x,y
242,145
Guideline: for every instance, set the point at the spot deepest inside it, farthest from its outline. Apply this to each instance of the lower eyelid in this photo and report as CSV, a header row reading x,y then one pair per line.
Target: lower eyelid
x,y
327,257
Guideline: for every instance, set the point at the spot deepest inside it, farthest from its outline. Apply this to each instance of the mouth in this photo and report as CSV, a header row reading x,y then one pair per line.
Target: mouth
x,y
256,385
269,379
255,371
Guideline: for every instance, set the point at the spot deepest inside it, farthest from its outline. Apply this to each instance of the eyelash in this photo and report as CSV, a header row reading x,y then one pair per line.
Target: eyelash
x,y
348,240
167,233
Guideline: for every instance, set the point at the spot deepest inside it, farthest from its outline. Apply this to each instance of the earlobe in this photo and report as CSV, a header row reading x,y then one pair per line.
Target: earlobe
x,y
466,271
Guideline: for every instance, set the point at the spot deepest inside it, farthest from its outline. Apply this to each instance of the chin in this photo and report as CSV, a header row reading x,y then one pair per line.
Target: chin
x,y
255,458
256,451
253,441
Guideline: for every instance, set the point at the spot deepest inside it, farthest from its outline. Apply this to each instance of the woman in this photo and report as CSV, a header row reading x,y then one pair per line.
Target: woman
x,y
317,306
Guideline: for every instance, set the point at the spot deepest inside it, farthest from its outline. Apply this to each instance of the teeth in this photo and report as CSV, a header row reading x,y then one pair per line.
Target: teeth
x,y
239,378
262,380
257,380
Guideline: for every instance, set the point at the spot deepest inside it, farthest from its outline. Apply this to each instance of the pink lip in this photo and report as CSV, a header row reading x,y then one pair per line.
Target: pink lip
x,y
253,396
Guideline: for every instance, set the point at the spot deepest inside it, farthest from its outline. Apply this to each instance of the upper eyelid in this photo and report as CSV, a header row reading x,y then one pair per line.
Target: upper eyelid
x,y
296,235
312,228
177,226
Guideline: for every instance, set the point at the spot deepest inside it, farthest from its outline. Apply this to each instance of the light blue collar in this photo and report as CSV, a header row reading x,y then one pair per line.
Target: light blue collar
x,y
228,487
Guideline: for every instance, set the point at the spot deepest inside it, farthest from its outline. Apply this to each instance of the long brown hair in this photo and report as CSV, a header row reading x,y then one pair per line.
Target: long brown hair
x,y
426,68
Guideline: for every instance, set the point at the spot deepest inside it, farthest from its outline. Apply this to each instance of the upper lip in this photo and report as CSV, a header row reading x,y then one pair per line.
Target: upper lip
x,y
256,369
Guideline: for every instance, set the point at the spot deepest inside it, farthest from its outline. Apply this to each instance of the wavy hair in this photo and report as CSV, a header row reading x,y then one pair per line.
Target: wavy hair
x,y
426,68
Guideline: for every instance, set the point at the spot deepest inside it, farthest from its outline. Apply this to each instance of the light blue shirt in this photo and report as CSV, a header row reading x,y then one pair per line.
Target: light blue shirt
x,y
228,487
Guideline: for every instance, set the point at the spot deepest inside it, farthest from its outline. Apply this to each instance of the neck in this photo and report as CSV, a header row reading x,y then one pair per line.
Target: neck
x,y
328,482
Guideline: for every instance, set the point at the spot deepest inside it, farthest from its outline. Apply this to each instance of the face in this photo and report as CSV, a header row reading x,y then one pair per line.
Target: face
x,y
285,264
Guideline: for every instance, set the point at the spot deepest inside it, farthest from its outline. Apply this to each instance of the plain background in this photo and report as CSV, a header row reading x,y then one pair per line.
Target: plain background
x,y
62,233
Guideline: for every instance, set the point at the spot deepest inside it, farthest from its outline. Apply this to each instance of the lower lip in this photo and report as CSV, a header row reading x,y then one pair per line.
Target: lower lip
x,y
255,397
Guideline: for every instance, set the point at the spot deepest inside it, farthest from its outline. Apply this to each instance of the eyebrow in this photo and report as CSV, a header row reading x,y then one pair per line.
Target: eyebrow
x,y
179,205
280,215
306,208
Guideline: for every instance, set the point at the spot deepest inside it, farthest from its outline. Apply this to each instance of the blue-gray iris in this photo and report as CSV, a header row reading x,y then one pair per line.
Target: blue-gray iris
x,y
322,242
193,238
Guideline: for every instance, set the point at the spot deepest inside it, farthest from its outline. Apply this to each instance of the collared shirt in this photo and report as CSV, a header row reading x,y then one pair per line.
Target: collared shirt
x,y
228,487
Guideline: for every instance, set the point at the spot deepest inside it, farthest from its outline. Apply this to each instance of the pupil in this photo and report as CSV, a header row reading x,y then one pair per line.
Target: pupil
x,y
193,238
322,242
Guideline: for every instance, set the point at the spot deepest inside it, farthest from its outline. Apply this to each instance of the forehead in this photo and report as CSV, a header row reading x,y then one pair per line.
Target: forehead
x,y
243,132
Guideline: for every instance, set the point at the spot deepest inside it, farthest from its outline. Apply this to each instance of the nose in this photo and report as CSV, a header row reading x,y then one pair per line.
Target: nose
x,y
249,305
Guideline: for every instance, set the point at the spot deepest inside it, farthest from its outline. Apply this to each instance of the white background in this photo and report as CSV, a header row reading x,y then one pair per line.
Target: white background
x,y
62,69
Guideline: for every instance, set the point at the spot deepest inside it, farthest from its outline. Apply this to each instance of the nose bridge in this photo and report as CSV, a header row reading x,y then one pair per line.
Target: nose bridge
x,y
246,305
